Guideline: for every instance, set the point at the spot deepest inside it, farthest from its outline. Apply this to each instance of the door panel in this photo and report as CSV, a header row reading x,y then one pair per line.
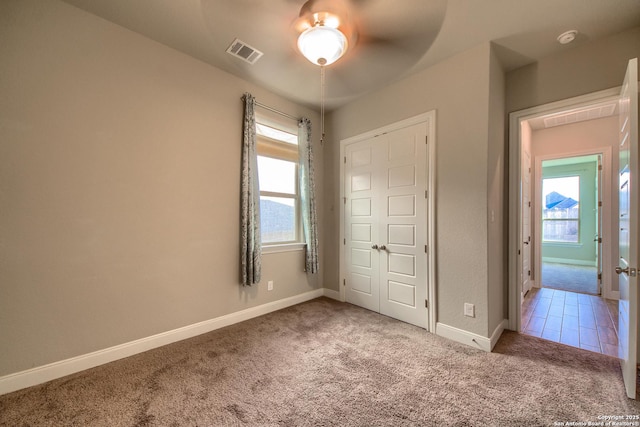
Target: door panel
x,y
402,293
402,264
402,234
628,226
402,206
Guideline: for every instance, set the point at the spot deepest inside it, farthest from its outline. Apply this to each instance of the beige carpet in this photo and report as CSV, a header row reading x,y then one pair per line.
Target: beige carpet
x,y
326,363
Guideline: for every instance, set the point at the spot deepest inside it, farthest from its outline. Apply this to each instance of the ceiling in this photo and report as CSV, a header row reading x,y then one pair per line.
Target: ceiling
x,y
395,38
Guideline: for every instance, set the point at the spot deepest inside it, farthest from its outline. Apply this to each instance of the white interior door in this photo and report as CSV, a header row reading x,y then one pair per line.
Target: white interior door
x,y
628,226
598,236
403,272
362,225
525,271
385,224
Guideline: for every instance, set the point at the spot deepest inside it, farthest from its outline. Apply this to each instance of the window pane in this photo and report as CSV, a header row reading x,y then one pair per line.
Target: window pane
x,y
277,219
561,197
277,176
560,231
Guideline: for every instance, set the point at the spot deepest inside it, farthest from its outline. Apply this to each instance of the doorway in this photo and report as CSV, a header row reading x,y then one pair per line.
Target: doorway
x,y
568,218
619,284
547,133
568,222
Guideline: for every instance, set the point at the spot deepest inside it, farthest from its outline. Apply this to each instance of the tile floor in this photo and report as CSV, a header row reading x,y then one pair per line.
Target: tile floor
x,y
584,321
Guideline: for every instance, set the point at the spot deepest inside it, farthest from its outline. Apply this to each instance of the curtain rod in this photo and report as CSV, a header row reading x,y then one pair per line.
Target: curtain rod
x,y
266,107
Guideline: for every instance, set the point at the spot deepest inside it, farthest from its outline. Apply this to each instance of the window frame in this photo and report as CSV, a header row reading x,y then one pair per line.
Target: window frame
x,y
273,148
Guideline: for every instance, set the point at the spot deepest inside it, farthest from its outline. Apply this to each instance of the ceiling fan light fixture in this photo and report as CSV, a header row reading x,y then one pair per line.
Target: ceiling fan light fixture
x,y
322,45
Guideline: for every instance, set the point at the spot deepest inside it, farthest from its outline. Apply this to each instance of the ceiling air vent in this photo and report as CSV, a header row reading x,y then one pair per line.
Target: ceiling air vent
x,y
564,118
241,50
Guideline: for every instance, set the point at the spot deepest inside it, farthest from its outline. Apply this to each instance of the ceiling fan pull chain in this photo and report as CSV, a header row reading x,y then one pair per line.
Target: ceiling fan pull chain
x,y
322,87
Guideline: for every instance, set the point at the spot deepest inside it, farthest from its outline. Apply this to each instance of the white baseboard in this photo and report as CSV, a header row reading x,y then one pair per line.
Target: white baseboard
x,y
464,337
469,338
51,371
330,293
615,295
497,333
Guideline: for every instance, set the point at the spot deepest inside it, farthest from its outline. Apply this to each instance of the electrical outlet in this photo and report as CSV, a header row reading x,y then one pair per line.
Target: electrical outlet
x,y
270,285
469,310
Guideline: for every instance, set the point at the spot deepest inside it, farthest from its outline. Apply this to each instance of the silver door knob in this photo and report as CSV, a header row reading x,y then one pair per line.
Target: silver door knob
x,y
620,270
383,248
374,247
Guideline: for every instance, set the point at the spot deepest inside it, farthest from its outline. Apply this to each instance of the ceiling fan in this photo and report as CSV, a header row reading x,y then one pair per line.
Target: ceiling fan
x,y
369,30
325,30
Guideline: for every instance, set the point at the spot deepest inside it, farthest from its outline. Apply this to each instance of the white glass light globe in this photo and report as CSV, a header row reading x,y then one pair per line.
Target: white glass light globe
x,y
322,45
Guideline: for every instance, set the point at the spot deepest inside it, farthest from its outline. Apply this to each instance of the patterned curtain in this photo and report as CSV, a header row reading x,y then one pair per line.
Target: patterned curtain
x,y
250,246
307,195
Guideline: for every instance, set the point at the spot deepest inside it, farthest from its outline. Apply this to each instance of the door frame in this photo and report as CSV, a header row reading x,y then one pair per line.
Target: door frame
x,y
604,195
515,193
430,119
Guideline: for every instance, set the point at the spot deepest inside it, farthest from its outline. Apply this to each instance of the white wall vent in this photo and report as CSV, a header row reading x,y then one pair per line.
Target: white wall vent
x,y
241,50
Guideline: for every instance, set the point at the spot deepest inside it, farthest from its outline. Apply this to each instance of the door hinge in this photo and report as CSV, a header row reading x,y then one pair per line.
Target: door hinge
x,y
345,200
426,194
344,241
529,204
344,282
426,304
426,139
599,204
599,276
345,159
529,273
426,249
599,167
518,251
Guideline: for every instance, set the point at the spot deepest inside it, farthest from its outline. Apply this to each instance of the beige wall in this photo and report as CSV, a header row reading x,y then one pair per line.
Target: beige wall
x,y
498,308
458,89
584,69
119,188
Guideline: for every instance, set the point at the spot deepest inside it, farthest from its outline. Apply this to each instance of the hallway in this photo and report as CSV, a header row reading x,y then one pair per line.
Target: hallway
x,y
584,321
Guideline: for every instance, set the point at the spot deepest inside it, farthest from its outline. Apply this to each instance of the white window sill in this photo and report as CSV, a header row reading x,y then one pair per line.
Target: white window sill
x,y
285,247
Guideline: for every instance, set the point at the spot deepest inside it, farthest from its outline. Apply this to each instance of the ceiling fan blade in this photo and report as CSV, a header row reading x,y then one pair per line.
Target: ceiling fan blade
x,y
385,48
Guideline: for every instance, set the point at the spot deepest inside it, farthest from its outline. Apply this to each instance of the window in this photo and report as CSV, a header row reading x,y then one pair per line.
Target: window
x,y
278,178
561,209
